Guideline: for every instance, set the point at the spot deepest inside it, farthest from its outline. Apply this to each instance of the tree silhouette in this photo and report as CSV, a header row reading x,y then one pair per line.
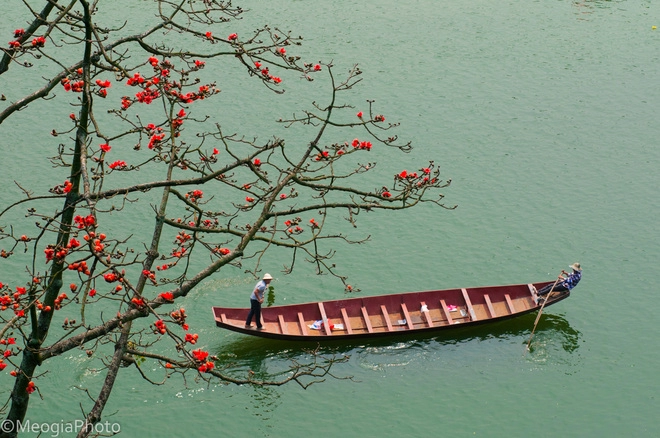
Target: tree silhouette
x,y
135,142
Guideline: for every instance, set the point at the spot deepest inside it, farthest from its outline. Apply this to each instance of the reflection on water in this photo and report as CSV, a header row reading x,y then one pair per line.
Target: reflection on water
x,y
554,341
588,6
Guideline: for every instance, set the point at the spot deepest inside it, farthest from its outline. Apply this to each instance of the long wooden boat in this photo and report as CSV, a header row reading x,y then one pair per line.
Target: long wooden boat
x,y
386,315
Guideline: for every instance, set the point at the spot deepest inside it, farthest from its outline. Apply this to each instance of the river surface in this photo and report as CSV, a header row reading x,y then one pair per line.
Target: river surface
x,y
545,116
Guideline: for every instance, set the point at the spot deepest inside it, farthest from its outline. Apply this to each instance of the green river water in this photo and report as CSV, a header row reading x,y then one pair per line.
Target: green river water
x,y
545,116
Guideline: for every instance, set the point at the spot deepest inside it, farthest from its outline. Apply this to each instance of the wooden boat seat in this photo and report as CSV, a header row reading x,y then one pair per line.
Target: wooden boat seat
x,y
509,303
324,318
489,304
406,315
347,322
427,315
283,329
445,310
386,318
367,320
468,303
303,326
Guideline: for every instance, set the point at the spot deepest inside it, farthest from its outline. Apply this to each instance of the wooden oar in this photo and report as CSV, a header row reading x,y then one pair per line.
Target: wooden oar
x,y
538,317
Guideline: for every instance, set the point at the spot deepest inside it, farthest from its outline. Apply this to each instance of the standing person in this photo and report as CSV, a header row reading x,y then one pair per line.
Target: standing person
x,y
566,281
256,298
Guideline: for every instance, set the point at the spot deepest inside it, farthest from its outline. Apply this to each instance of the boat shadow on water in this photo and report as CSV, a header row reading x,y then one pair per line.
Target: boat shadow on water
x,y
269,356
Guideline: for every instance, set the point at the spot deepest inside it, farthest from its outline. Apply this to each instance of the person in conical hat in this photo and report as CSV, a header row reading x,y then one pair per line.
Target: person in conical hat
x,y
565,282
256,299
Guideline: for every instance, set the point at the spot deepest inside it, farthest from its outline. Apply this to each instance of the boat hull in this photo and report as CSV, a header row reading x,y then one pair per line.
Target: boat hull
x,y
389,315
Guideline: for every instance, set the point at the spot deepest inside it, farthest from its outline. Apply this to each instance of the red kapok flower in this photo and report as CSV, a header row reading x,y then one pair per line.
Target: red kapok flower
x,y
232,37
38,42
200,355
209,35
167,296
281,50
257,162
360,115
386,195
317,67
105,147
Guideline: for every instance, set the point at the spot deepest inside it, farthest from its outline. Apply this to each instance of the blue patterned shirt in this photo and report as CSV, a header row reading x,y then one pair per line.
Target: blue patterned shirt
x,y
572,280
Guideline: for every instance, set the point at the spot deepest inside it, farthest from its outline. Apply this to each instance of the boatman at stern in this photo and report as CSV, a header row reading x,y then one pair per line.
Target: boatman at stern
x,y
256,298
565,281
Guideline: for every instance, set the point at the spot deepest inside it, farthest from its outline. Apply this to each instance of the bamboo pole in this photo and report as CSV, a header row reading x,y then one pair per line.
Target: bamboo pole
x,y
538,317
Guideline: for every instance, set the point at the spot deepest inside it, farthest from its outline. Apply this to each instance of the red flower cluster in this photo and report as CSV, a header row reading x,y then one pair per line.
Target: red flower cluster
x,y
320,156
147,95
83,222
179,316
19,33
200,355
379,118
30,387
313,223
206,367
67,186
191,338
103,92
160,326
80,267
13,301
156,135
111,277
138,302
167,296
97,243
105,147
58,301
137,79
265,73
194,196
117,165
232,37
76,87
150,275
257,162
38,42
223,251
365,145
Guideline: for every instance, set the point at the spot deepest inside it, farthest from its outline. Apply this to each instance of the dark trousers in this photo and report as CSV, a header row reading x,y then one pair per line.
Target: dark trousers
x,y
558,288
255,310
